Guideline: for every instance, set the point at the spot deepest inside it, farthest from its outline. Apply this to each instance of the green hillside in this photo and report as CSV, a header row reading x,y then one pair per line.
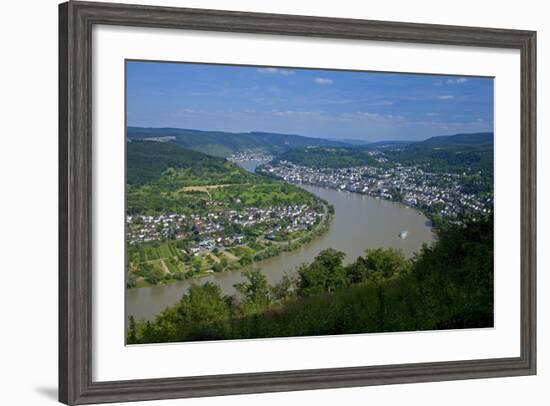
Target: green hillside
x,y
158,172
219,143
473,139
327,157
456,153
147,160
190,214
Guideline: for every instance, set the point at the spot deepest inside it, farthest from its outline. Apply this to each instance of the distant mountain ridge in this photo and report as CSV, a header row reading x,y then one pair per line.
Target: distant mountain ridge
x,y
484,139
458,152
223,144
350,141
327,157
388,144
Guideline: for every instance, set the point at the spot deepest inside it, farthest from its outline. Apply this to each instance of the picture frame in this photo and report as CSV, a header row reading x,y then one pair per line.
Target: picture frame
x,y
76,384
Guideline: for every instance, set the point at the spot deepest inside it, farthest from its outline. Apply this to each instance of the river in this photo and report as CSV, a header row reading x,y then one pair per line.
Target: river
x,y
359,222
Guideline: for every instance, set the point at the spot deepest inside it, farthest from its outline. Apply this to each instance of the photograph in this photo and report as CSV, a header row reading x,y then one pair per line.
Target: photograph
x,y
267,202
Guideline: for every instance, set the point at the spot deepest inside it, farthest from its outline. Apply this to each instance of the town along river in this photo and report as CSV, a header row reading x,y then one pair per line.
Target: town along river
x,y
359,222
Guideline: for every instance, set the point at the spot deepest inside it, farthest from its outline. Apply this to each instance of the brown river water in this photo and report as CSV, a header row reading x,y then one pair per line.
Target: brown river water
x,y
360,222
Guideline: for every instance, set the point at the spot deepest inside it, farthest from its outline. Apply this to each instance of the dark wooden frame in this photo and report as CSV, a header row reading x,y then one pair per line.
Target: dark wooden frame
x,y
75,181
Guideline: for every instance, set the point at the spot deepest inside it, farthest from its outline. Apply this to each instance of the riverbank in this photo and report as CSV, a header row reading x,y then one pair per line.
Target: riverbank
x,y
434,223
235,257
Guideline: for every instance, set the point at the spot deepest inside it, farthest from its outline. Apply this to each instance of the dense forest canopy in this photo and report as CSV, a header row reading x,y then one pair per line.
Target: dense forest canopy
x,y
147,160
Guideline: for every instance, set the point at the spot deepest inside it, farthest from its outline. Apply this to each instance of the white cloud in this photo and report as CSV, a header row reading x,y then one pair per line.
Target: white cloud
x,y
445,97
354,117
182,112
457,81
365,116
381,103
290,113
284,72
323,81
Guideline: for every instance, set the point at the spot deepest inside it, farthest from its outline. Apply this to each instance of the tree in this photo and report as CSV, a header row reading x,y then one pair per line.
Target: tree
x,y
245,260
255,289
197,265
462,295
324,275
223,261
285,288
357,271
149,272
131,280
385,263
217,267
132,333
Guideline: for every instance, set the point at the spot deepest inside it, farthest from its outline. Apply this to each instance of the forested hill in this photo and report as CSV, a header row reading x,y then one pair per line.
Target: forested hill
x,y
147,160
459,152
327,157
165,178
223,144
474,139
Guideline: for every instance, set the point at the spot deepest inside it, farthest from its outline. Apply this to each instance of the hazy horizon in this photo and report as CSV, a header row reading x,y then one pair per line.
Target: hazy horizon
x,y
315,103
306,136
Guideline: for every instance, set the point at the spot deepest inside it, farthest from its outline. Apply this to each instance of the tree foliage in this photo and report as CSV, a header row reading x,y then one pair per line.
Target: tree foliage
x,y
254,289
324,275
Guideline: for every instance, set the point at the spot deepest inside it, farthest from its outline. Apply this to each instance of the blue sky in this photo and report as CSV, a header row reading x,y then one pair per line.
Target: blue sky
x,y
369,106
